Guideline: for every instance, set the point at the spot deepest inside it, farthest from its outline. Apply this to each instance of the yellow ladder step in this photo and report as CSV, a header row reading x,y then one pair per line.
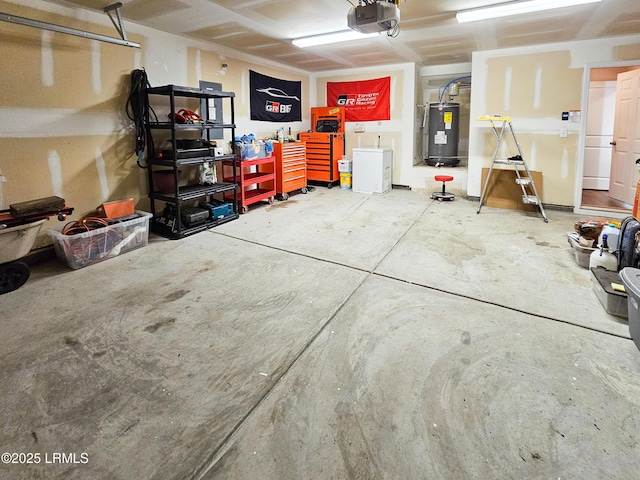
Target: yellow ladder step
x,y
497,118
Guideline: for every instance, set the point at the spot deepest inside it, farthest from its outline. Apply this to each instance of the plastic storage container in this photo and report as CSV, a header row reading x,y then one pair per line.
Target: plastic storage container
x,y
344,165
86,248
631,279
250,151
613,301
581,254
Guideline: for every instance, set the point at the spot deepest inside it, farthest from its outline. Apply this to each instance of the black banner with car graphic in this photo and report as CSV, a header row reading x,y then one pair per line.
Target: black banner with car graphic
x,y
274,100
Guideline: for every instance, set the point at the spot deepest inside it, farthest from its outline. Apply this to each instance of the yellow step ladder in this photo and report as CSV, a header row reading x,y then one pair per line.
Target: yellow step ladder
x,y
523,177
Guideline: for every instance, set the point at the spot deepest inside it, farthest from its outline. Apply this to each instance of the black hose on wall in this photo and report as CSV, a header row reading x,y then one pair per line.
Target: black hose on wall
x,y
138,112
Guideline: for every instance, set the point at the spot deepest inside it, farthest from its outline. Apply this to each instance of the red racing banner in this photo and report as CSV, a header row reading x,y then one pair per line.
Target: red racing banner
x,y
363,100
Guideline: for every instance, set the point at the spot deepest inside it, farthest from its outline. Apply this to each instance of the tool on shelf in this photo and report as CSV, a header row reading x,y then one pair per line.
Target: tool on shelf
x,y
523,176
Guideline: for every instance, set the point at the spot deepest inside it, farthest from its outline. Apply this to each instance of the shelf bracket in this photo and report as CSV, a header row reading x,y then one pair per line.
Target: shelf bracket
x,y
119,26
117,22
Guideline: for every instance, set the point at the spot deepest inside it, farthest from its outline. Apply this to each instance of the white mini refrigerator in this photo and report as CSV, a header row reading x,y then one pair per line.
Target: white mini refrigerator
x,y
372,170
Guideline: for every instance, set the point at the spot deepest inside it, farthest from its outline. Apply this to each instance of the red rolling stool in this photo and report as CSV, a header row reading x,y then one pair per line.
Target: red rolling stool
x,y
443,196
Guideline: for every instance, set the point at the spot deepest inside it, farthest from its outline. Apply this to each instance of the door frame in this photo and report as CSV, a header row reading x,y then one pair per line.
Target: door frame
x,y
577,200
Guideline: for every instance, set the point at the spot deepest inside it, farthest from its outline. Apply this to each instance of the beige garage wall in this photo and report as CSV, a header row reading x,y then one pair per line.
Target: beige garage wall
x,y
208,66
533,86
63,126
396,133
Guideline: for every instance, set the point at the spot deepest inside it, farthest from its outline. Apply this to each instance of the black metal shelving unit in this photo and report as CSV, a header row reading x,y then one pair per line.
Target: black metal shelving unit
x,y
175,159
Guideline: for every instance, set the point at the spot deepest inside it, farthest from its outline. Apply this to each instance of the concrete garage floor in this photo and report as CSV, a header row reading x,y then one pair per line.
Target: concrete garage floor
x,y
332,336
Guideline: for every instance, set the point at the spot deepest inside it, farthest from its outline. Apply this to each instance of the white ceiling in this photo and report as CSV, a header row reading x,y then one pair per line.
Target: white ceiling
x,y
429,33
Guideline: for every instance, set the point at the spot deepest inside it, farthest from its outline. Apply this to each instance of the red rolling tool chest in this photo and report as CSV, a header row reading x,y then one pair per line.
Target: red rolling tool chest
x,y
325,145
291,168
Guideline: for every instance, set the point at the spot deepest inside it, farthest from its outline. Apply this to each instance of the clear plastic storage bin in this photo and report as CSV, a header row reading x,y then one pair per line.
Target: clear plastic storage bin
x,y
613,301
86,248
581,254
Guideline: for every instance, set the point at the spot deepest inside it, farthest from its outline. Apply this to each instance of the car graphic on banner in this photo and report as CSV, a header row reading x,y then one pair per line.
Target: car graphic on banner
x,y
276,92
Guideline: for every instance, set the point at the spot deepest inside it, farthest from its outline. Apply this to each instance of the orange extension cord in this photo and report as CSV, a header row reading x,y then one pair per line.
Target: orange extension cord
x,y
85,249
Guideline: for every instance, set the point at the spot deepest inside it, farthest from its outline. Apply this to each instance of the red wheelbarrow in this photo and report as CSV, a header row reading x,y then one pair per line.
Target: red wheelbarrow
x,y
19,227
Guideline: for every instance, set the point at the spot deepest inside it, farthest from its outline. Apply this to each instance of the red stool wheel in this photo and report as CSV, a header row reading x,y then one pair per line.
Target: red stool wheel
x,y
440,196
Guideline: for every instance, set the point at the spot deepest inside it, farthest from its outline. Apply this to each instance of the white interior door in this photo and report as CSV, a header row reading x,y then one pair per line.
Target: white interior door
x,y
626,138
599,135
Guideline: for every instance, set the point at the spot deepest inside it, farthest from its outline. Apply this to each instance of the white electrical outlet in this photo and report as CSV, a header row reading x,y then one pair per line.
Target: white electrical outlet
x,y
359,128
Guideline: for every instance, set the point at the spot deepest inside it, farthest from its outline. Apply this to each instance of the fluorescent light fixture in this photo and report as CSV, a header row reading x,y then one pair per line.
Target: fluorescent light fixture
x,y
515,8
333,37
